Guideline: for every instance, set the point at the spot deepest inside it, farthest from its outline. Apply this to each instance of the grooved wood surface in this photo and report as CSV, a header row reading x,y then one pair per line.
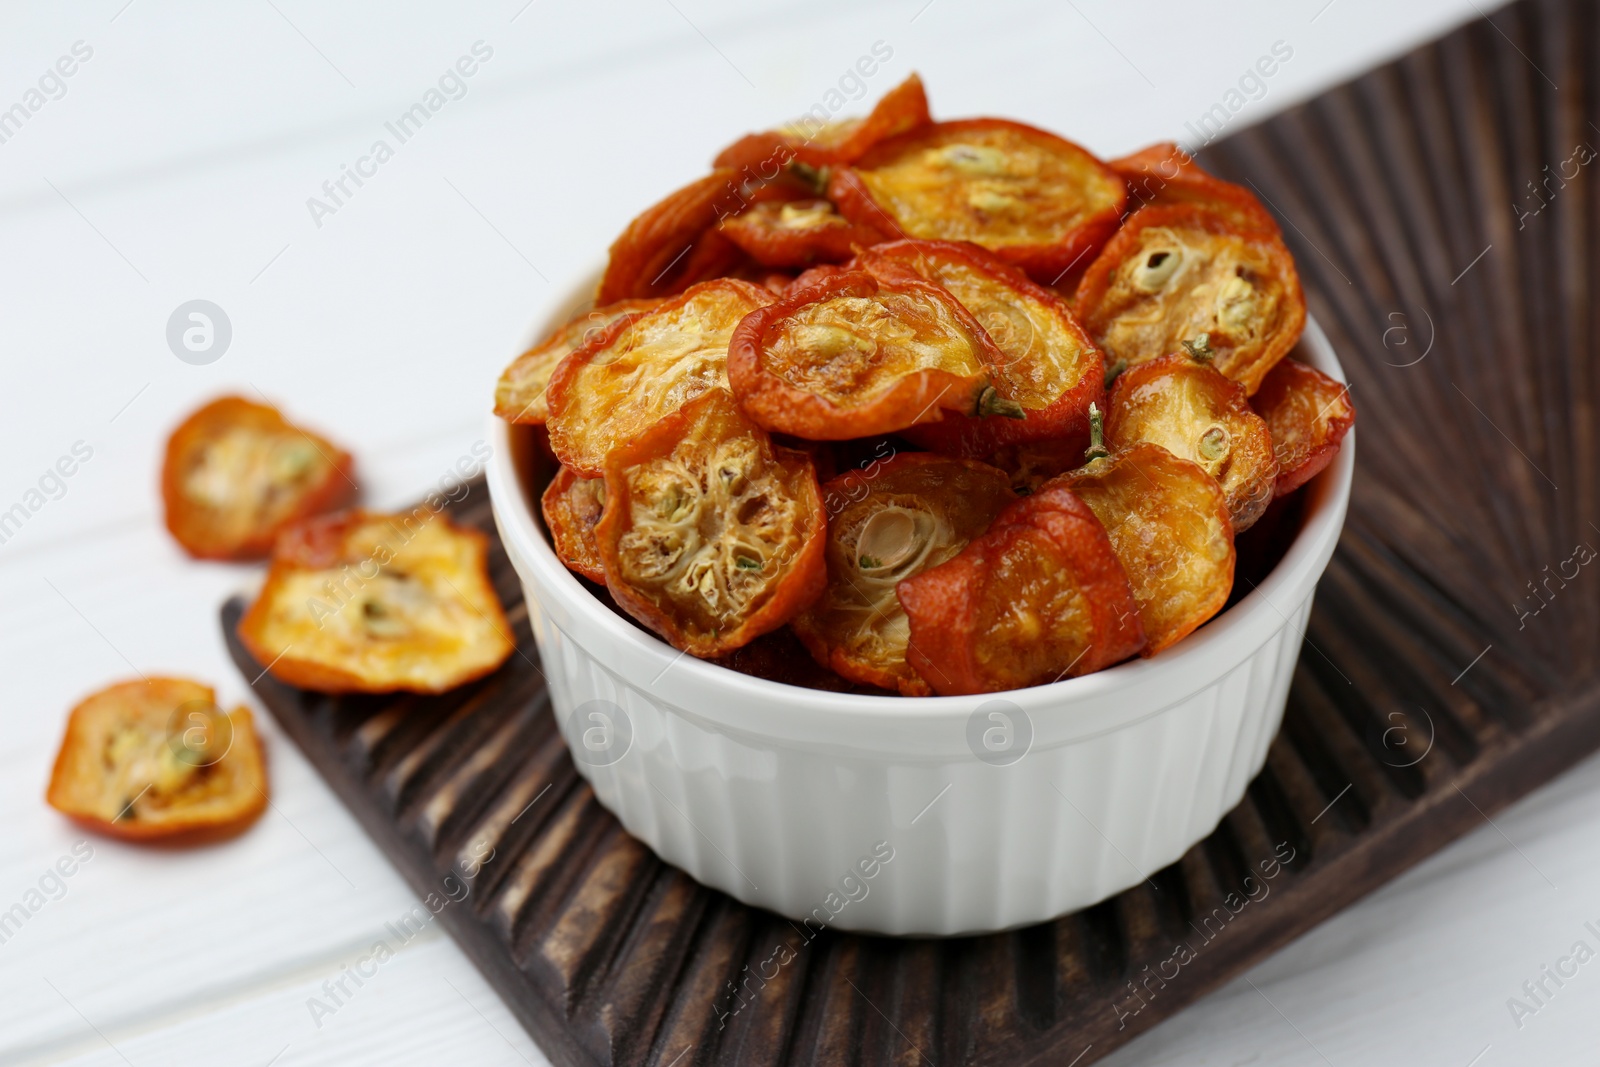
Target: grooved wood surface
x,y
1449,666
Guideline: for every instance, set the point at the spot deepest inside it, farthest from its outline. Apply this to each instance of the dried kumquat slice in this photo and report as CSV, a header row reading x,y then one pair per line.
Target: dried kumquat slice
x,y
1049,365
1041,596
797,233
1308,414
820,142
519,395
572,505
712,534
674,243
236,473
1164,173
1168,523
1189,409
1032,198
1175,272
852,357
156,759
638,370
369,603
910,513
811,276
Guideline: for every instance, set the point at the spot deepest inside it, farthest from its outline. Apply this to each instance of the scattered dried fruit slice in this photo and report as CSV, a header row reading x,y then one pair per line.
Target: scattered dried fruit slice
x,y
371,603
236,473
1168,523
852,356
1164,173
156,759
797,233
1049,364
572,505
712,535
1030,197
1037,598
638,370
911,513
1175,272
519,396
1189,409
820,142
1308,414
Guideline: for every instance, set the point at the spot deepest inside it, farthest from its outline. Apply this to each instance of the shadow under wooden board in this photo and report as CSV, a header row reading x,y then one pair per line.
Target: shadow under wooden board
x,y
1449,666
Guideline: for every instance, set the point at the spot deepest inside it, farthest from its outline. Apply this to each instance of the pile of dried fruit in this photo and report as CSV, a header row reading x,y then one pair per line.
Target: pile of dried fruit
x,y
1069,374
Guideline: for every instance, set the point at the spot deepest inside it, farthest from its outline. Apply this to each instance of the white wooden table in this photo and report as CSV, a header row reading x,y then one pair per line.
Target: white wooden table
x,y
176,162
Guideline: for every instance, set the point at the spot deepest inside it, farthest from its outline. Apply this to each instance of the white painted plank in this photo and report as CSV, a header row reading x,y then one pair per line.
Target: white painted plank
x,y
427,1004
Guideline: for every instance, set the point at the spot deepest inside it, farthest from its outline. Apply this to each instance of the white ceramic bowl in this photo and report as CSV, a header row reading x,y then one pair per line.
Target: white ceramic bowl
x,y
932,815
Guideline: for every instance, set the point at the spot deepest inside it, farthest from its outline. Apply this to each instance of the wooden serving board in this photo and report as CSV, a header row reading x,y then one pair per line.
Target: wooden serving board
x,y
1449,667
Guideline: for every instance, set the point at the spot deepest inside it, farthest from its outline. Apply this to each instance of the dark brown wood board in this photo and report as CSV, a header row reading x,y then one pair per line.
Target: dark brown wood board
x,y
1449,667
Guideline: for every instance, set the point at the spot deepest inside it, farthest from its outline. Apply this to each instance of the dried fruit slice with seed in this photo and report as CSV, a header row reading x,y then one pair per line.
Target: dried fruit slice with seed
x,y
572,505
1030,197
852,357
519,395
156,759
797,233
1041,596
1168,523
236,473
908,514
638,370
372,603
712,534
1196,414
1049,365
1164,173
1308,414
1175,272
